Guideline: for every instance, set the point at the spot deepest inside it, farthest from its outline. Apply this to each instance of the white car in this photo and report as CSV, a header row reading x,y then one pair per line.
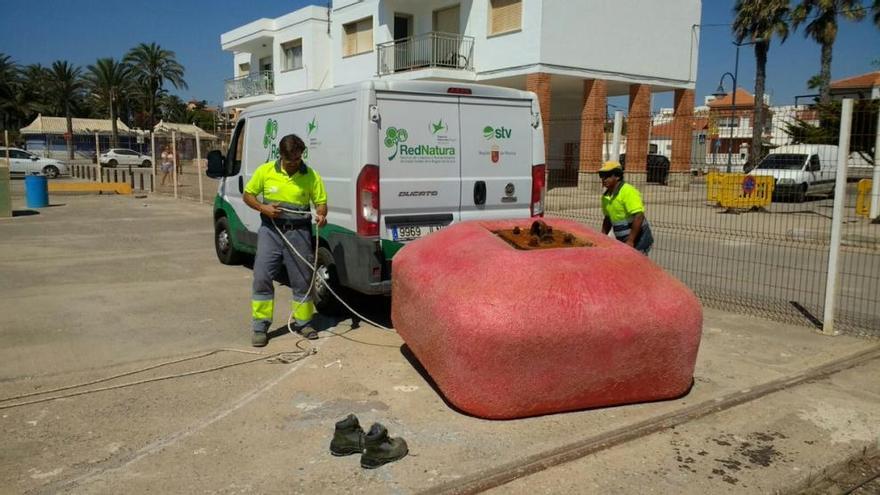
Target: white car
x,y
122,156
25,162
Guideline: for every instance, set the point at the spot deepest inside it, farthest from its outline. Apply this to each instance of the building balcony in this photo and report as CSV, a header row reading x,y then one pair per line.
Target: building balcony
x,y
254,84
432,50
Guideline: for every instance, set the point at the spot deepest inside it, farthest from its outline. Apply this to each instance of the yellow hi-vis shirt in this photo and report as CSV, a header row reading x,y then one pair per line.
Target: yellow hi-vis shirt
x,y
305,186
621,206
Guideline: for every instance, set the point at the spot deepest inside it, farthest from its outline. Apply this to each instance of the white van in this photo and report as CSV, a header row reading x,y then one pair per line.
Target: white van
x,y
800,170
399,160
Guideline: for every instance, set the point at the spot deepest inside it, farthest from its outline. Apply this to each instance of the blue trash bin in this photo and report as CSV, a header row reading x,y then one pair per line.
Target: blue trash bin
x,y
36,191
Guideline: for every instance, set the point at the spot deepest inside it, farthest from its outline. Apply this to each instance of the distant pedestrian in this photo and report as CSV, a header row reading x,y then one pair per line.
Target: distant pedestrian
x,y
167,163
623,209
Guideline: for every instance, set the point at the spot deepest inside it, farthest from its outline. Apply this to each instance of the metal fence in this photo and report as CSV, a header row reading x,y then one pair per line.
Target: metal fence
x,y
434,49
755,243
255,84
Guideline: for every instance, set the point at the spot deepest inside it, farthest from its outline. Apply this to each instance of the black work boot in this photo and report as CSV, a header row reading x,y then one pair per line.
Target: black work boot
x,y
380,448
348,437
259,339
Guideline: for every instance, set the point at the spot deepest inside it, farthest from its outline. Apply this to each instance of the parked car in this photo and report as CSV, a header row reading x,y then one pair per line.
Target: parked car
x,y
25,162
658,167
122,156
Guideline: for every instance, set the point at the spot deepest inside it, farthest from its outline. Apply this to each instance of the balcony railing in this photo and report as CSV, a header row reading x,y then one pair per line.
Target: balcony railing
x,y
254,84
429,50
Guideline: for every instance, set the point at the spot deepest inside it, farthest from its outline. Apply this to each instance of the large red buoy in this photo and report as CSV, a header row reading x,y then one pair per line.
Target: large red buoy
x,y
514,320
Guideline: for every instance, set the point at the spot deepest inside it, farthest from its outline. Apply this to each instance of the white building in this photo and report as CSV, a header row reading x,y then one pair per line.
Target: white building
x,y
574,54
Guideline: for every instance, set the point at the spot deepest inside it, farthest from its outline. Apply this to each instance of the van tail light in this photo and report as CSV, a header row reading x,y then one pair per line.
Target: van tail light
x,y
368,201
538,182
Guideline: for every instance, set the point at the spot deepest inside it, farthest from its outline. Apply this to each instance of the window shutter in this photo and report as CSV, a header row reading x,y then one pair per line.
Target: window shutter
x,y
365,35
358,37
506,16
350,43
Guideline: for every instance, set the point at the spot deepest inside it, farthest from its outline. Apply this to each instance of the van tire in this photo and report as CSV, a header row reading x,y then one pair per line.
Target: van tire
x,y
226,253
325,303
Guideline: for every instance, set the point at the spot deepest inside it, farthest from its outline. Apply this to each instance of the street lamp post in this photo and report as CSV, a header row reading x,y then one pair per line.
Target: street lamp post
x,y
720,92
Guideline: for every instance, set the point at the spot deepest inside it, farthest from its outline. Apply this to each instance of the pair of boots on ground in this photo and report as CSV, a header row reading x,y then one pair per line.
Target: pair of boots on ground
x,y
260,339
376,447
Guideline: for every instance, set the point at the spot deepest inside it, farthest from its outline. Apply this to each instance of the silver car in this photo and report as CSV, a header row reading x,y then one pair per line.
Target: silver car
x,y
25,162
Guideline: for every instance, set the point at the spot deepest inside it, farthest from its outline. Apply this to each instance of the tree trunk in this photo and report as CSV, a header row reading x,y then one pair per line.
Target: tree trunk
x,y
825,74
114,131
756,150
69,132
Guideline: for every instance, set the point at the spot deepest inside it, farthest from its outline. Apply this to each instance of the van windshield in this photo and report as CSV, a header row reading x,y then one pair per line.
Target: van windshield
x,y
783,161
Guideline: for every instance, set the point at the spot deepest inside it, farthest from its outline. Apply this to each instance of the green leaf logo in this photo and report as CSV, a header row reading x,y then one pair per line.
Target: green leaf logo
x,y
270,133
488,132
312,126
439,126
394,136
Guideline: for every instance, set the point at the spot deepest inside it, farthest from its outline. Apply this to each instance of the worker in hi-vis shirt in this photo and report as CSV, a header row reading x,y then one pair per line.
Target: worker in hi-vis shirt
x,y
623,209
288,188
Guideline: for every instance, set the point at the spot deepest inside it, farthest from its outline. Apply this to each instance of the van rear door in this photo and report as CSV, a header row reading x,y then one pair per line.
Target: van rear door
x,y
496,158
419,164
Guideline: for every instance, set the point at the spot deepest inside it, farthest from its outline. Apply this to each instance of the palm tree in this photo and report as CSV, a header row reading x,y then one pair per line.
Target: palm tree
x,y
65,86
173,108
152,65
9,80
109,81
760,20
875,7
823,29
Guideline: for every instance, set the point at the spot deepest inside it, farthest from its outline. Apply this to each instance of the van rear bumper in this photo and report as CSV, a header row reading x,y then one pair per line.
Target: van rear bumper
x,y
360,263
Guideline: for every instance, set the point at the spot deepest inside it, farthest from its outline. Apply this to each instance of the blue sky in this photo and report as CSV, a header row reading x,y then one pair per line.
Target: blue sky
x,y
81,31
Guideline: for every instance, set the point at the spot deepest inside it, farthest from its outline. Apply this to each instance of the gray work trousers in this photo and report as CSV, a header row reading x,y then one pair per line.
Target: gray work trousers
x,y
272,253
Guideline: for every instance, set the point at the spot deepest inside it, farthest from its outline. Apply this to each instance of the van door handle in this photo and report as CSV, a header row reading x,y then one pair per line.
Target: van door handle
x,y
480,192
240,184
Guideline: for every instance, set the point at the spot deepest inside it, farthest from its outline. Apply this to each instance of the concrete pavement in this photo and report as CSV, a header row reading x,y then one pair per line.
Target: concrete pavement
x,y
99,286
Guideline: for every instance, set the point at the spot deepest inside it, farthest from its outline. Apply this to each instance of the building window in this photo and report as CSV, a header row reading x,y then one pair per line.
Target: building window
x,y
358,37
293,54
504,16
728,122
244,69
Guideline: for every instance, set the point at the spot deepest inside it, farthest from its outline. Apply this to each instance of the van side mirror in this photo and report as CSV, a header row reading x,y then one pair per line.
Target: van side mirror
x,y
216,165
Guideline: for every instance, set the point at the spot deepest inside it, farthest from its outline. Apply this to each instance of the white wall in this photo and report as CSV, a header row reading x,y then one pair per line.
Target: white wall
x,y
654,40
509,50
359,67
316,70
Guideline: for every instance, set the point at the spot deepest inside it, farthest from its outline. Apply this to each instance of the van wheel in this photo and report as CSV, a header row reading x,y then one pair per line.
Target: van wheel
x,y
324,301
227,254
801,194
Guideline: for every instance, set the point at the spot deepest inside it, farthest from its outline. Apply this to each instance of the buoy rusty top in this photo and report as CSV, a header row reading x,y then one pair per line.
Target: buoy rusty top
x,y
540,236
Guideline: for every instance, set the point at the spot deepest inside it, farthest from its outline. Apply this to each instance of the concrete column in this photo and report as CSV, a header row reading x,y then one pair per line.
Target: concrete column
x,y
539,83
593,124
638,124
682,130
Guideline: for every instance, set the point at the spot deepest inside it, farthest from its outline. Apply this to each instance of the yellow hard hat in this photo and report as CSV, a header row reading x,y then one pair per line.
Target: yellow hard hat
x,y
609,166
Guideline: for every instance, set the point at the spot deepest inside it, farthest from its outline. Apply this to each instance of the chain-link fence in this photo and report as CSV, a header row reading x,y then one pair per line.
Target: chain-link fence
x,y
752,237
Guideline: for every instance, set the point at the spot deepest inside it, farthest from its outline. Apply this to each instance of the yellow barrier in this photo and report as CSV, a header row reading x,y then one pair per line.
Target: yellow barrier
x,y
90,187
713,187
739,190
863,200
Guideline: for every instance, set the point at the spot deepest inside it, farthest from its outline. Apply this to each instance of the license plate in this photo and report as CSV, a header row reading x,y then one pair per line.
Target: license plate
x,y
410,232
